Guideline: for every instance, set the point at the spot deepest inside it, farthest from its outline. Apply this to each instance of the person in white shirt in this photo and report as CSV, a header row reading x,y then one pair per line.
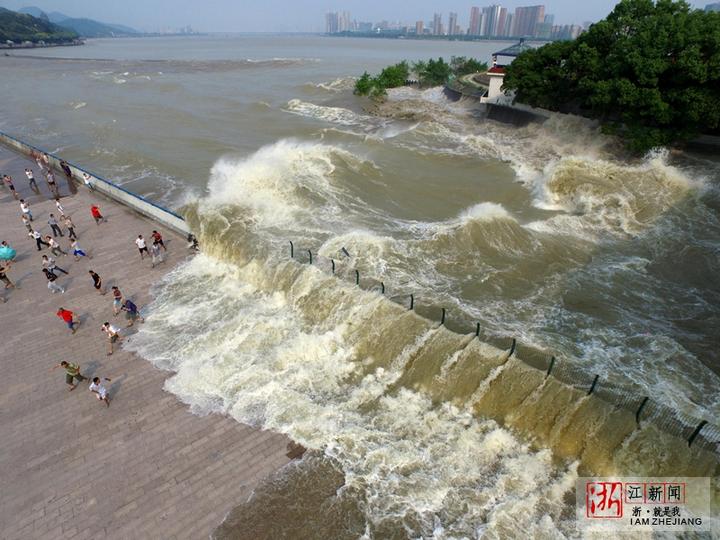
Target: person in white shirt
x,y
113,335
50,264
38,239
25,207
88,181
31,180
142,246
59,207
54,246
97,387
156,254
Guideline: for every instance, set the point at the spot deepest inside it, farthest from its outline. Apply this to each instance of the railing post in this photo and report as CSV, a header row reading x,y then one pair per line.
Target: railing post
x,y
382,288
640,408
357,277
412,301
310,253
549,369
477,330
592,387
512,347
345,251
696,432
292,250
442,318
333,265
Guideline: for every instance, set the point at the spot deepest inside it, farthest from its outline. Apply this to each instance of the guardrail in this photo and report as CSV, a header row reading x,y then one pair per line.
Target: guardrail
x,y
119,194
696,432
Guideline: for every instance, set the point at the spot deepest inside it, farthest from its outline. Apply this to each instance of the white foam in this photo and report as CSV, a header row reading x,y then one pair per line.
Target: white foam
x,y
260,362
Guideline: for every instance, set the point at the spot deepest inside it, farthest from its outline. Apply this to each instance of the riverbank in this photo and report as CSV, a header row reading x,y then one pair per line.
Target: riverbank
x,y
143,468
32,45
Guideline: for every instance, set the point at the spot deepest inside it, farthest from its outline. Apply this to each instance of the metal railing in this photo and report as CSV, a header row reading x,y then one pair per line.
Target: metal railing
x,y
698,433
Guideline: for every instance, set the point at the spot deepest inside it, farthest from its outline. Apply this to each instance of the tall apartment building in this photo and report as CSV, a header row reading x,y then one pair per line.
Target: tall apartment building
x,y
437,29
491,22
452,24
419,28
474,28
501,23
338,22
526,20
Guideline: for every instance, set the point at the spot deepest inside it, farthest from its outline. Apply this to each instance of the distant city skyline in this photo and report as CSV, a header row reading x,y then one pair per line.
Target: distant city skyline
x,y
299,16
496,21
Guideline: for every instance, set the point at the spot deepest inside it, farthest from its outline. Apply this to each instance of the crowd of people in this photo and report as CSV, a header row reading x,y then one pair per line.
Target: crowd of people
x,y
62,227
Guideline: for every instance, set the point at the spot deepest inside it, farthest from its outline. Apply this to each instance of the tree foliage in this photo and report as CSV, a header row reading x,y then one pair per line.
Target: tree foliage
x,y
390,77
433,72
429,73
19,27
650,72
462,65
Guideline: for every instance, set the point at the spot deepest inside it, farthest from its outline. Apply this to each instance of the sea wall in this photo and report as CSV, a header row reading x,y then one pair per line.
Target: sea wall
x,y
163,216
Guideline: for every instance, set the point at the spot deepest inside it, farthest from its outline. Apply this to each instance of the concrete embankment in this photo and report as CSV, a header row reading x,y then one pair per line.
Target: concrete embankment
x,y
71,468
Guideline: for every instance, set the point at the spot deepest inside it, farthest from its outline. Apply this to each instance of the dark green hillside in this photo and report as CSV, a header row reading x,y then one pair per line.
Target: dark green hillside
x,y
19,27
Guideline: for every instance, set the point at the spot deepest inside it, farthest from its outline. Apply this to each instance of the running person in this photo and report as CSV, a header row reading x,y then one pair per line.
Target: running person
x,y
97,388
52,286
50,178
97,282
78,251
113,335
141,245
31,180
25,208
8,181
49,263
97,216
156,254
131,313
117,300
72,372
158,239
38,239
69,318
54,246
4,278
54,225
70,227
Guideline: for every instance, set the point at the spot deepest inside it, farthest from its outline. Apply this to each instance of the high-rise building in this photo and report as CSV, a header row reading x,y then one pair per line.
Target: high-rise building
x,y
331,23
526,20
567,31
419,28
437,25
474,28
491,15
508,30
550,19
501,23
452,24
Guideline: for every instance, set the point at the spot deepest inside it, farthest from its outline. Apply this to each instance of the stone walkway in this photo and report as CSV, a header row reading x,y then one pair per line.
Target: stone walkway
x,y
69,467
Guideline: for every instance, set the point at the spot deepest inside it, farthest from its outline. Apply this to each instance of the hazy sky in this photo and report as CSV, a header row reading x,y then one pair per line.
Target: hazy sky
x,y
288,15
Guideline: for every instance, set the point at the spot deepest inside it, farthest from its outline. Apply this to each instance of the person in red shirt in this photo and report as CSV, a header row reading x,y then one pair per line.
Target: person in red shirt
x,y
69,318
97,216
157,239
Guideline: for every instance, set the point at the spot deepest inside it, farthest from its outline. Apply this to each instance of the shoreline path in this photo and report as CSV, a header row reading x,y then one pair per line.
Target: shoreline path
x,y
70,467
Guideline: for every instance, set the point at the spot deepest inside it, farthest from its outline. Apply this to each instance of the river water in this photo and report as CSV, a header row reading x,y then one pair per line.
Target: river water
x,y
549,234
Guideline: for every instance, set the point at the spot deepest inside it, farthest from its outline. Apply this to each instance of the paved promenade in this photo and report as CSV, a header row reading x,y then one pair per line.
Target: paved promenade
x,y
69,467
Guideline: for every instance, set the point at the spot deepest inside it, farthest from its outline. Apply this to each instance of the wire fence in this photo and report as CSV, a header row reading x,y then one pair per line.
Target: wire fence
x,y
697,432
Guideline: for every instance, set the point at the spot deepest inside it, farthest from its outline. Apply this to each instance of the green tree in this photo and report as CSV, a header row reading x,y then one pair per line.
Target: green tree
x,y
464,66
364,85
650,72
434,72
